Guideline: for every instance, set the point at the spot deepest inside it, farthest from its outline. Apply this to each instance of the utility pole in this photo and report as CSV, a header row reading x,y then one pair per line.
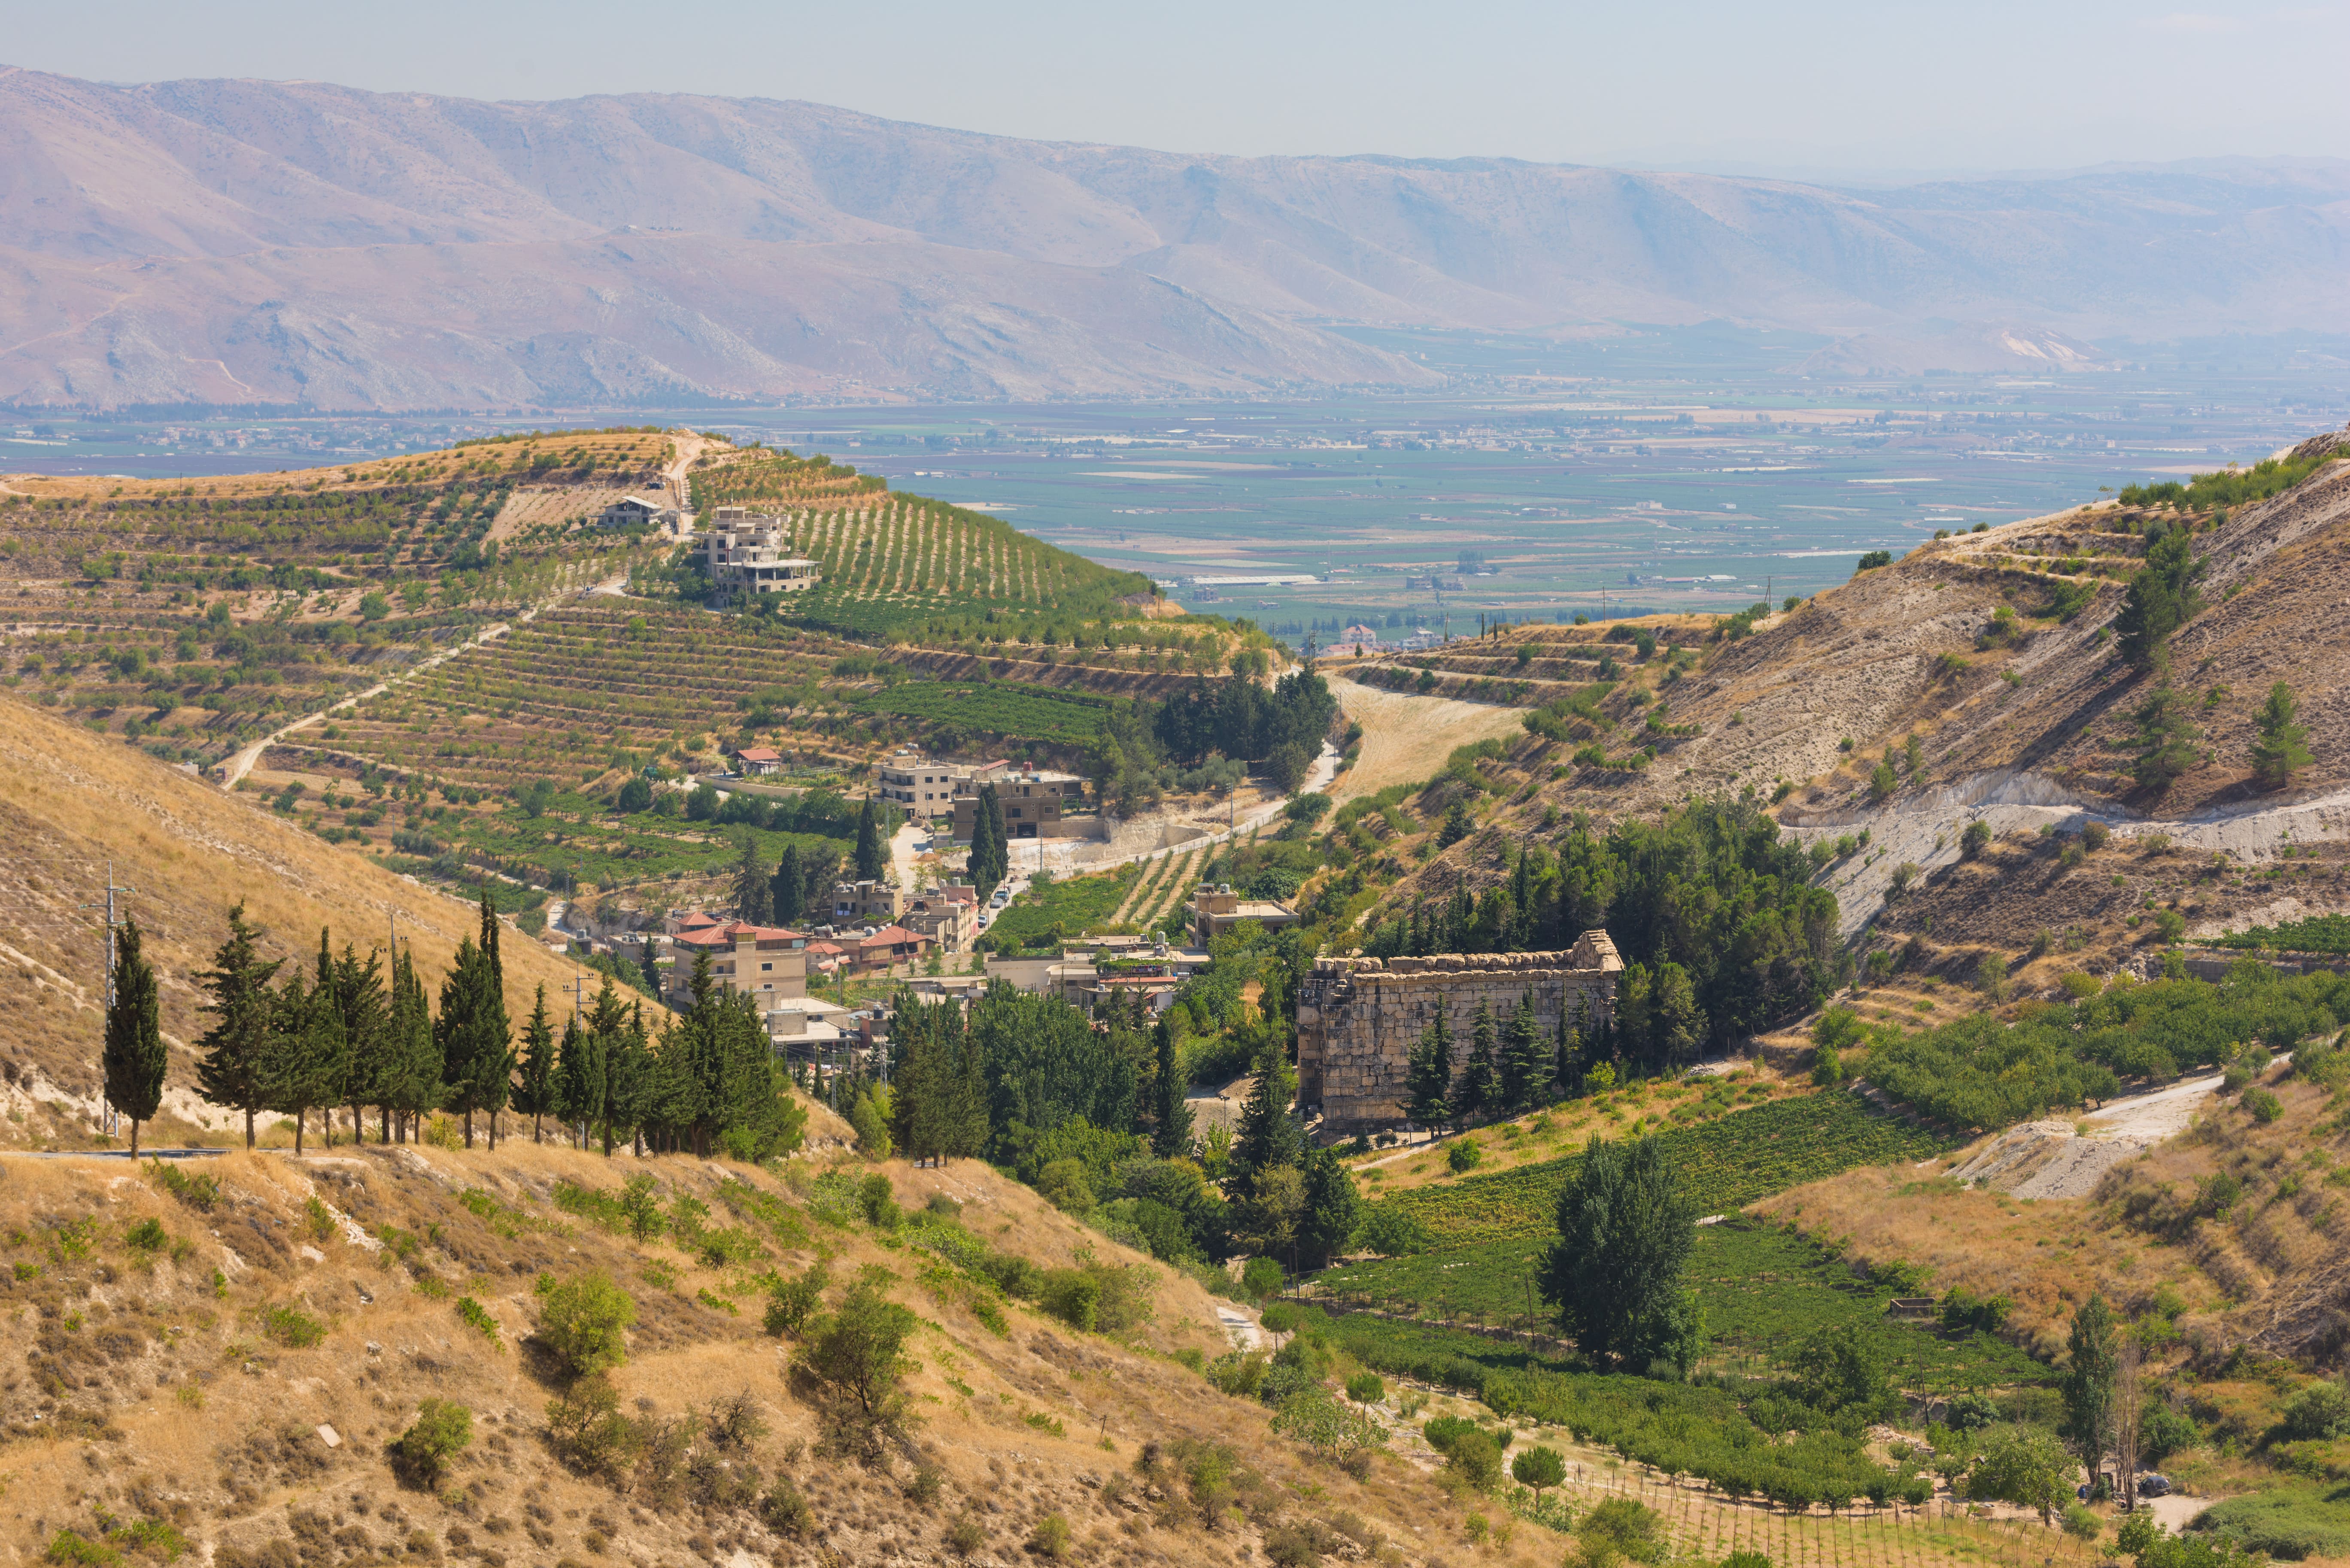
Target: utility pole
x,y
112,1119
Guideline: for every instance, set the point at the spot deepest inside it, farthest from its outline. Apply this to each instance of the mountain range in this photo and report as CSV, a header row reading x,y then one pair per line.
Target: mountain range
x,y
249,242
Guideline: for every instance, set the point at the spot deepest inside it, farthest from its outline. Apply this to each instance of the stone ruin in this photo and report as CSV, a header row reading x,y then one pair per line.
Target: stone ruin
x,y
1357,1018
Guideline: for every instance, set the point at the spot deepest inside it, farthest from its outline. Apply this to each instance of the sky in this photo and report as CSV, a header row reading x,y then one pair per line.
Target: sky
x,y
1807,87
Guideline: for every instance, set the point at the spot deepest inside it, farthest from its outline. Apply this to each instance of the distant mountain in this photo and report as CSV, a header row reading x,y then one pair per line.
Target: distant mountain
x,y
242,241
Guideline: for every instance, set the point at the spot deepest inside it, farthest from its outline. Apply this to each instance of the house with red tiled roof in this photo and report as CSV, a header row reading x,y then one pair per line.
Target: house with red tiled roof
x,y
765,961
888,945
759,759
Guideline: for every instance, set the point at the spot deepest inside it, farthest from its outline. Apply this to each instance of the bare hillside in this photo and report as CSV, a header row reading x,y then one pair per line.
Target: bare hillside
x,y
2021,716
75,803
240,241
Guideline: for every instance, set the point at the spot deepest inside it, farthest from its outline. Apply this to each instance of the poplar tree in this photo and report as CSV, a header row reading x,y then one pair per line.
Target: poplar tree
x,y
1171,1138
534,1094
2088,1384
134,1059
231,1072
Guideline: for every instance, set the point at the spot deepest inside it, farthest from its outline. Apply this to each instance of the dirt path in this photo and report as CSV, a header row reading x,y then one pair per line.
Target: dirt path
x,y
1405,739
2067,1158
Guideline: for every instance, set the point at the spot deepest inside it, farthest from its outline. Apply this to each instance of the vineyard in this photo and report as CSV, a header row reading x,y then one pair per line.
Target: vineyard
x,y
1041,713
1762,1290
2315,934
906,562
1725,1163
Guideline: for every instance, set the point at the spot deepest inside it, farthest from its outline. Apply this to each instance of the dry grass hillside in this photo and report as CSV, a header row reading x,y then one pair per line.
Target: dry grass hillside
x,y
75,802
228,1371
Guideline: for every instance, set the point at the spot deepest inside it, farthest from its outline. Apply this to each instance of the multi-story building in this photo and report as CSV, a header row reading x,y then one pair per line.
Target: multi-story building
x,y
861,903
765,961
751,555
949,917
1219,908
630,509
1032,802
927,787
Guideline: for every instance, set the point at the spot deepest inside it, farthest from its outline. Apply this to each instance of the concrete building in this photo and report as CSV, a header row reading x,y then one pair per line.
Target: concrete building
x,y
1032,802
862,903
949,917
751,555
765,961
630,509
927,787
1219,908
759,759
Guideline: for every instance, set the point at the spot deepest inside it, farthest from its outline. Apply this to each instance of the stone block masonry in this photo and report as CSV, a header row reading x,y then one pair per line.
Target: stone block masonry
x,y
1357,1018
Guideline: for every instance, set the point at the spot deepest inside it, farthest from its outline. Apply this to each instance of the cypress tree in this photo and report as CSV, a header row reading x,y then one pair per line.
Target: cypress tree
x,y
237,1046
1268,1137
651,967
534,1097
1171,1137
569,1089
497,1062
476,1042
754,895
366,1034
787,891
416,1081
1333,1208
134,1059
302,1065
872,856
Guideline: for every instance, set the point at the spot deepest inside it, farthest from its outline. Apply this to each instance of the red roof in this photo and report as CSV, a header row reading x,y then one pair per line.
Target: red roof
x,y
888,936
695,921
717,936
760,754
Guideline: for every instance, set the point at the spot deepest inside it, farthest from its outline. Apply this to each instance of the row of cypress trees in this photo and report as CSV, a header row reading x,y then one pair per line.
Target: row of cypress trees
x,y
336,1035
1511,1066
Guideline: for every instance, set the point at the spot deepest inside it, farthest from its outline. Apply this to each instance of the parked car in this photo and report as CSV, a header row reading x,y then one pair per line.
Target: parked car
x,y
2152,1484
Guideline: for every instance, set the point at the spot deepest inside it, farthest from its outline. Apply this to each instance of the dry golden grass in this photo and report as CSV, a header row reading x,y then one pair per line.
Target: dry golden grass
x,y
100,1417
75,802
371,473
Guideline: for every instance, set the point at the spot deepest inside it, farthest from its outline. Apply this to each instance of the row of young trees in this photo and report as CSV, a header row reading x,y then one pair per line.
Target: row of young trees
x,y
337,1035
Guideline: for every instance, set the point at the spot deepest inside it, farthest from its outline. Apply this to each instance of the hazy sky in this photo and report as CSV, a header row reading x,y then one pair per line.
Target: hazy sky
x,y
1805,86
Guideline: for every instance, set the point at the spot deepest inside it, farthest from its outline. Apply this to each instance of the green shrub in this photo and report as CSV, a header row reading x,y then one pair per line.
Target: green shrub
x,y
1367,1388
477,1316
443,1429
785,1512
583,1321
1051,1538
199,1192
292,1328
2320,1410
794,1302
146,1236
68,1547
1464,1156
1074,1296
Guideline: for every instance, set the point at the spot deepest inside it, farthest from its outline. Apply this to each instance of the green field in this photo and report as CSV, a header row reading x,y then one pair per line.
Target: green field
x,y
1026,712
1076,906
1725,1163
2316,934
1762,1289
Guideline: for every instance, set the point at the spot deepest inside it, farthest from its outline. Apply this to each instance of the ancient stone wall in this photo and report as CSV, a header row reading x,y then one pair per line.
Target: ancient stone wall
x,y
1357,1018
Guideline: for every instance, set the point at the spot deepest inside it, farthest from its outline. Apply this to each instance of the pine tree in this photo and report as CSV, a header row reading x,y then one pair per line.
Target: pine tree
x,y
533,1095
1268,1138
2161,599
1525,1058
1428,1075
366,1034
237,1046
1334,1210
872,855
134,1059
1630,1034
1481,1080
1678,1024
754,894
2283,744
2164,738
1171,1135
787,889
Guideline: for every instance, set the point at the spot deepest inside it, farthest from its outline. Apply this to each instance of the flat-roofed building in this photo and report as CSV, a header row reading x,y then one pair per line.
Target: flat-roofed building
x,y
1219,908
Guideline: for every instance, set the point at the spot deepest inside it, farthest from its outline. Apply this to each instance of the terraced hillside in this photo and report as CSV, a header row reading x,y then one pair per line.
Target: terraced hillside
x,y
915,567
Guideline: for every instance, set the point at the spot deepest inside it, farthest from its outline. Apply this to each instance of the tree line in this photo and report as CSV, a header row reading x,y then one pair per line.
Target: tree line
x,y
350,1033
1279,729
